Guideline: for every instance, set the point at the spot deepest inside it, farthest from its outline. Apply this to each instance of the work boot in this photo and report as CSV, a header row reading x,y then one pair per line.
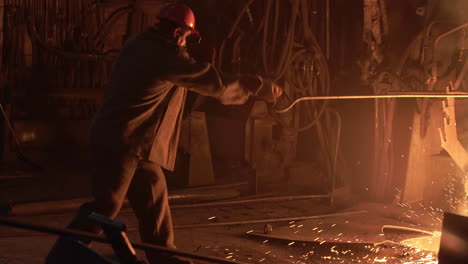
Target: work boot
x,y
70,251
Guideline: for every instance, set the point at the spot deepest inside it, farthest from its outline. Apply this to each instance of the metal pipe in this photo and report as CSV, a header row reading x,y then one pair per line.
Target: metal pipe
x,y
438,39
274,220
2,37
238,19
327,28
96,238
461,76
221,186
251,201
425,44
385,96
57,207
436,43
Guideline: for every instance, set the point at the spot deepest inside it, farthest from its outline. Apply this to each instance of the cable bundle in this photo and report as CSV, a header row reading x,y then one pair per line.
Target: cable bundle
x,y
62,44
282,44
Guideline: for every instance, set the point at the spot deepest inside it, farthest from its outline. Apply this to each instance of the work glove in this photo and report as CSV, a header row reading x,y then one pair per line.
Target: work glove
x,y
239,90
234,94
269,91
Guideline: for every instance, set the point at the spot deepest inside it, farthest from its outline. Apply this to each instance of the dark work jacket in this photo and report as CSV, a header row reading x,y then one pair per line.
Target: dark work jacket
x,y
142,108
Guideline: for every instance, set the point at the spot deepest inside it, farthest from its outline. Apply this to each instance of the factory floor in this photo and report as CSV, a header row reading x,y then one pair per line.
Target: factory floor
x,y
354,237
293,231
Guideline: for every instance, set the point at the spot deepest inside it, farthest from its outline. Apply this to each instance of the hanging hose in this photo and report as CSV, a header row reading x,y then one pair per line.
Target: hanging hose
x,y
103,29
239,17
290,54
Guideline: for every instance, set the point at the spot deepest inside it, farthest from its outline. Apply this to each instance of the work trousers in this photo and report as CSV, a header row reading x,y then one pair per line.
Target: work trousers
x,y
116,176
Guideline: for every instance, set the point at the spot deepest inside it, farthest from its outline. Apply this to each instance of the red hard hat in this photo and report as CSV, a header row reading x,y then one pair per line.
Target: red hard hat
x,y
180,14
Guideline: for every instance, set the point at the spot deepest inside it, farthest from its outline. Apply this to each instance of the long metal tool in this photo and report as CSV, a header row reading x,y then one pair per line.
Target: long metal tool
x,y
96,238
251,201
385,96
274,220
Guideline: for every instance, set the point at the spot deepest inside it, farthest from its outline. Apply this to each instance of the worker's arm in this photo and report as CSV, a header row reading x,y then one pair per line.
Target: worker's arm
x,y
204,79
260,88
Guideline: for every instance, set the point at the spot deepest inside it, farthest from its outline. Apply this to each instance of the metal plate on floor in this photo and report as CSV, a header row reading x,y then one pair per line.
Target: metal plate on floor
x,y
355,229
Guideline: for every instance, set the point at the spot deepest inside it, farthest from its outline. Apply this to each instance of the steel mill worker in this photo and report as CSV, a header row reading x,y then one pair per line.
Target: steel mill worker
x,y
135,133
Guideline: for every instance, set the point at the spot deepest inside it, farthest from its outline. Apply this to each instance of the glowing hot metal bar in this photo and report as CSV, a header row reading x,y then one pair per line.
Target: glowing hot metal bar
x,y
354,97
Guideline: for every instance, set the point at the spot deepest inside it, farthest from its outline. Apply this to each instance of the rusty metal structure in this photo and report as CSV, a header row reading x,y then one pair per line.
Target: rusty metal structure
x,y
426,65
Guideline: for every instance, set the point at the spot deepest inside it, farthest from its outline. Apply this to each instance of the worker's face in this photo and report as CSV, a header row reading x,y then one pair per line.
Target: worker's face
x,y
180,36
